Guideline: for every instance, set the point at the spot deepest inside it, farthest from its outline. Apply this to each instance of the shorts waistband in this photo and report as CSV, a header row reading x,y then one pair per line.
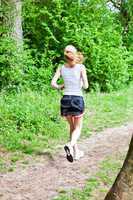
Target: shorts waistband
x,y
69,96
72,96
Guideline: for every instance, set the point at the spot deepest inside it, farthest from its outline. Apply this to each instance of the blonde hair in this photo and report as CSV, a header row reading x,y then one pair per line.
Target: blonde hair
x,y
74,53
80,57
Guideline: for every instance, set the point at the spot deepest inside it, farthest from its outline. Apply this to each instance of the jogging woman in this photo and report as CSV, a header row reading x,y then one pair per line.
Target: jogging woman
x,y
72,105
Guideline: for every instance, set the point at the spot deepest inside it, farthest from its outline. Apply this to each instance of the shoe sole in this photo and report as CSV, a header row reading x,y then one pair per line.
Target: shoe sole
x,y
68,154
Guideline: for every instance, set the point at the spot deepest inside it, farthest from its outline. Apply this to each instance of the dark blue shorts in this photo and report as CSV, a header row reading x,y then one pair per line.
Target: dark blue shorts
x,y
72,105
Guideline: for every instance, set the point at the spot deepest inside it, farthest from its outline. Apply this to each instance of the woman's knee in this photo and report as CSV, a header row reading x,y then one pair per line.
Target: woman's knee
x,y
78,123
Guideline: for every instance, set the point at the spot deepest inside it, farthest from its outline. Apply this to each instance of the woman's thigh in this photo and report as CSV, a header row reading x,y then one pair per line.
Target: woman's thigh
x,y
70,120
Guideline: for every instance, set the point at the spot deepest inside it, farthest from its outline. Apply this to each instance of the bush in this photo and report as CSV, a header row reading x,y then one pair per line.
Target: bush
x,y
13,63
27,120
19,69
90,26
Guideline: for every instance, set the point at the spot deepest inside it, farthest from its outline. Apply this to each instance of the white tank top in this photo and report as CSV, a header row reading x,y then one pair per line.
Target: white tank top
x,y
72,79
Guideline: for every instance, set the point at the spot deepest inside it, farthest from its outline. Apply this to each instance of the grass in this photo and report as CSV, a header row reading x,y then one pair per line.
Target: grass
x,y
108,109
30,122
97,185
5,166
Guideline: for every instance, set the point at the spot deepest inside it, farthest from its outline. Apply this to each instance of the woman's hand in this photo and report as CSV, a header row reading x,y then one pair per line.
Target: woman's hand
x,y
61,87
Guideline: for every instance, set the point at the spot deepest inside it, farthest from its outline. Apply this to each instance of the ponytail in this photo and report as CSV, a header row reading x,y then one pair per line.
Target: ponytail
x,y
80,57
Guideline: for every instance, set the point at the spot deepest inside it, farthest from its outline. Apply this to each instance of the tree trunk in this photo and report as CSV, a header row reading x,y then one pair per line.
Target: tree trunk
x,y
122,188
13,20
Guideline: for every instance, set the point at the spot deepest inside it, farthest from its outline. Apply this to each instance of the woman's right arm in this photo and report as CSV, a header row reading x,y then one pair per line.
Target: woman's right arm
x,y
55,78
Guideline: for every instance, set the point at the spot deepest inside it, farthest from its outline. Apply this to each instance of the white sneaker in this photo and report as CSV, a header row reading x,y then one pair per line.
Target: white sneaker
x,y
69,152
79,154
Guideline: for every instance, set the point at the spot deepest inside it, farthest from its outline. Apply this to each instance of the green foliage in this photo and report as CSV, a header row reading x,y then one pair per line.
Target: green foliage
x,y
48,26
13,64
27,121
18,70
90,26
129,39
30,121
127,19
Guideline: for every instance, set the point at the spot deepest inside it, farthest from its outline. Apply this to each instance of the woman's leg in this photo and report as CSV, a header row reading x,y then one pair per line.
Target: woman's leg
x,y
68,148
77,130
78,153
70,120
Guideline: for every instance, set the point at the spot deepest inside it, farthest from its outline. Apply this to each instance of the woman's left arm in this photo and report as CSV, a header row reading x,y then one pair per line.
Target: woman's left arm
x,y
55,78
84,77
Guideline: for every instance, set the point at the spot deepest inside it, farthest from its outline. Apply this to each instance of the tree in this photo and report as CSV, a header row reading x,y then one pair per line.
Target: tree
x,y
122,188
125,9
12,19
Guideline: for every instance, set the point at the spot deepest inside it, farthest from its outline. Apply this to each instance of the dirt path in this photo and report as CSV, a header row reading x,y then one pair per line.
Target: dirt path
x,y
43,180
